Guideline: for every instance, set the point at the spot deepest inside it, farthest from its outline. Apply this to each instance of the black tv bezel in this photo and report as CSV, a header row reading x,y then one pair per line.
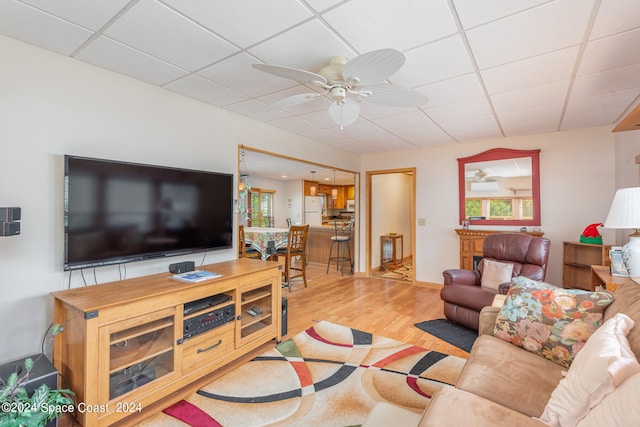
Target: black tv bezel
x,y
136,257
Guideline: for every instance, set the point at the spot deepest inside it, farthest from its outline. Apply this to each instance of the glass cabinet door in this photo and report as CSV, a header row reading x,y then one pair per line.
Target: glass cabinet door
x,y
140,352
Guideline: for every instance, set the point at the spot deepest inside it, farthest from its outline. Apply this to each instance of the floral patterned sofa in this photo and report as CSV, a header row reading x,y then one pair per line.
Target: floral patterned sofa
x,y
583,373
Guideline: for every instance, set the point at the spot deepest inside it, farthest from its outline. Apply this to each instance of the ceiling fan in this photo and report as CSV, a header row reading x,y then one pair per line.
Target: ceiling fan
x,y
482,175
347,82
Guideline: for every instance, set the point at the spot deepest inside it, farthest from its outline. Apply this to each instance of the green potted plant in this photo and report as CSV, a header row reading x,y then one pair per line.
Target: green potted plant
x,y
18,409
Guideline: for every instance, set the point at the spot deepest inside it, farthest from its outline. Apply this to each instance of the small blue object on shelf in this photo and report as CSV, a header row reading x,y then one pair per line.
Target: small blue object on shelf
x,y
196,276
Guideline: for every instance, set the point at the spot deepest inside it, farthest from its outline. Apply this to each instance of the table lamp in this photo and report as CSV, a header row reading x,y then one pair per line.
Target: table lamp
x,y
625,213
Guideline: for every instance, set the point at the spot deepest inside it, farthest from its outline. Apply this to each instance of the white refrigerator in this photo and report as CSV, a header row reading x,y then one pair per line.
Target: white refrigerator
x,y
313,208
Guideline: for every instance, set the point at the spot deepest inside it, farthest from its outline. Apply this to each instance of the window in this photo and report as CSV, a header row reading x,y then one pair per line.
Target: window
x,y
261,207
500,208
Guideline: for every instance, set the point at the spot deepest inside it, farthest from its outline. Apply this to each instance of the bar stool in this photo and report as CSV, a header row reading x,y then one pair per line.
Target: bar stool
x,y
342,237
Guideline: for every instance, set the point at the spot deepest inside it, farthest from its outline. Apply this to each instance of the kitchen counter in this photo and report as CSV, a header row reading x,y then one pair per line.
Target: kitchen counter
x,y
319,243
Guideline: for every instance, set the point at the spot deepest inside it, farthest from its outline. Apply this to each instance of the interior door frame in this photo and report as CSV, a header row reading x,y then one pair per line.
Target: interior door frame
x,y
369,200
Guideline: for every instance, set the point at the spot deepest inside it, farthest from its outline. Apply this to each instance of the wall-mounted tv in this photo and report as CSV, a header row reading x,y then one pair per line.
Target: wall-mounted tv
x,y
117,212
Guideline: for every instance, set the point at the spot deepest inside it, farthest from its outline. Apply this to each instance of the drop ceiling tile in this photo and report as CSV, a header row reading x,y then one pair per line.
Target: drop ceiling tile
x,y
206,91
545,94
402,24
532,71
41,29
586,120
551,26
371,111
92,14
473,128
294,124
617,80
477,12
450,91
322,119
459,110
615,16
309,47
117,57
609,105
436,61
320,5
159,31
611,52
238,74
255,110
244,23
539,119
415,128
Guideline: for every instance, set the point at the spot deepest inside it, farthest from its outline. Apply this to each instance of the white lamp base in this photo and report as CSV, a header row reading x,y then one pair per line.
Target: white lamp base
x,y
631,255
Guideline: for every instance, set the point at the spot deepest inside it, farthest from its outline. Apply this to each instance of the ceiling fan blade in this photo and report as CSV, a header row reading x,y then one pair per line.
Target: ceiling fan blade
x,y
394,96
373,67
344,113
290,101
301,76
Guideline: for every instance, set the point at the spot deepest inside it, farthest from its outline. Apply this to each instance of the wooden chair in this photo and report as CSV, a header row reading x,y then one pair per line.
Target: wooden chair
x,y
296,249
244,250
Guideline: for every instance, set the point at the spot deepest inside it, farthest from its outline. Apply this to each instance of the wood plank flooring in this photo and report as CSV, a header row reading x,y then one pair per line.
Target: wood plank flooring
x,y
381,306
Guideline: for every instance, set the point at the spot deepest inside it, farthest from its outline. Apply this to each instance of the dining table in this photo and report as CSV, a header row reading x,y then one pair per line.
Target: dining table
x,y
260,237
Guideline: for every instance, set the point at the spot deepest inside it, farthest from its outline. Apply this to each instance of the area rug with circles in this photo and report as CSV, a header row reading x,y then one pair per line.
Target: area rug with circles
x,y
328,375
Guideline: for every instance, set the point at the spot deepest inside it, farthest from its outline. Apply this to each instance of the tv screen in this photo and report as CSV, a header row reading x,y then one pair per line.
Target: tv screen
x,y
118,212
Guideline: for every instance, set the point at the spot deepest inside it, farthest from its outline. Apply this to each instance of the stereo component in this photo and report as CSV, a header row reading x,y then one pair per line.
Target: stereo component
x,y
204,303
209,320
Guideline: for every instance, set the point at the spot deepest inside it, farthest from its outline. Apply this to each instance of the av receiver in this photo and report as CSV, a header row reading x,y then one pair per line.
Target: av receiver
x,y
209,320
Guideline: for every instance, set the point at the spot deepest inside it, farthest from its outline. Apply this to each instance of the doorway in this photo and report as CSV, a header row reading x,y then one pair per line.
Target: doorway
x,y
391,202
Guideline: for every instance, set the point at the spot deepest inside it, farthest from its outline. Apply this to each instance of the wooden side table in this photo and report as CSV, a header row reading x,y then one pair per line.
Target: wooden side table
x,y
390,251
601,276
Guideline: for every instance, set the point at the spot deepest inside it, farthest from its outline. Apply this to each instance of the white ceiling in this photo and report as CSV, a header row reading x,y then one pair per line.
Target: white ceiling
x,y
490,68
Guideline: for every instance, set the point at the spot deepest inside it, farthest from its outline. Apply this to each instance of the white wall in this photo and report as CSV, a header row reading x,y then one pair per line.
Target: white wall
x,y
390,211
51,105
577,185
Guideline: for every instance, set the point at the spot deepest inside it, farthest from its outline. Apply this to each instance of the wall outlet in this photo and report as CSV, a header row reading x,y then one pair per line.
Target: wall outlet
x,y
422,222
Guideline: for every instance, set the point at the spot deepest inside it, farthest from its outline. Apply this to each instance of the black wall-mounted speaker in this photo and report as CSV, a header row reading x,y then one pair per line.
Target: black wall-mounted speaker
x,y
10,214
9,228
182,267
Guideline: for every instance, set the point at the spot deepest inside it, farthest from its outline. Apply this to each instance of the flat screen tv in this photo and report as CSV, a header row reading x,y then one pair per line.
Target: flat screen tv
x,y
117,212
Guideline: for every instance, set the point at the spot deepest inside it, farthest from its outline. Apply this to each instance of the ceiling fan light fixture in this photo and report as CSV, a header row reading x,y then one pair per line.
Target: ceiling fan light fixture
x,y
344,113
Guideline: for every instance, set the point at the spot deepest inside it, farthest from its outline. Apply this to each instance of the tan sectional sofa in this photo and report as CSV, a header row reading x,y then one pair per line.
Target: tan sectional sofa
x,y
505,385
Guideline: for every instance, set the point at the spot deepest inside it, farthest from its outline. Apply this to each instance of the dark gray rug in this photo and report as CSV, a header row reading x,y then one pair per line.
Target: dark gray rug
x,y
457,335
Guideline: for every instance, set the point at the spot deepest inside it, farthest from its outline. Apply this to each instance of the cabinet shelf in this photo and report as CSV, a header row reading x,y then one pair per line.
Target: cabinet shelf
x,y
577,259
139,350
137,331
251,296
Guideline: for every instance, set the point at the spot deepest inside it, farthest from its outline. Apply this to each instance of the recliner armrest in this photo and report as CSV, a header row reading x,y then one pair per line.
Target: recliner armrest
x,y
488,316
461,277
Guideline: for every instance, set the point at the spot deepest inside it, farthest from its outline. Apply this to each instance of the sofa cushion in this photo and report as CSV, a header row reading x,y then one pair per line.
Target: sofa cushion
x,y
495,273
628,302
620,408
453,407
499,371
605,362
549,321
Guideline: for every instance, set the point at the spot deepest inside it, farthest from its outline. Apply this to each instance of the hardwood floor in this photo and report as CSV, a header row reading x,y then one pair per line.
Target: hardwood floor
x,y
381,306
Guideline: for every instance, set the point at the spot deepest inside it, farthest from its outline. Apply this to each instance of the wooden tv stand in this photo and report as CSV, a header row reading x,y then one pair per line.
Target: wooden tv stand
x,y
125,344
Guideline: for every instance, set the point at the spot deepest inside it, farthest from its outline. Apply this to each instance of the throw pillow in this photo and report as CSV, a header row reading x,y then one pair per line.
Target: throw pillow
x,y
620,408
550,321
605,362
494,273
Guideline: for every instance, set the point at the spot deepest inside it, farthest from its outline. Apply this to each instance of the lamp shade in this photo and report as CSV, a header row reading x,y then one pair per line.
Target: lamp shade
x,y
625,209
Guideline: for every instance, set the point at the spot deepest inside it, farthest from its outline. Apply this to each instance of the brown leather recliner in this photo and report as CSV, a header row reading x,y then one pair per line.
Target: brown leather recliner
x,y
462,294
